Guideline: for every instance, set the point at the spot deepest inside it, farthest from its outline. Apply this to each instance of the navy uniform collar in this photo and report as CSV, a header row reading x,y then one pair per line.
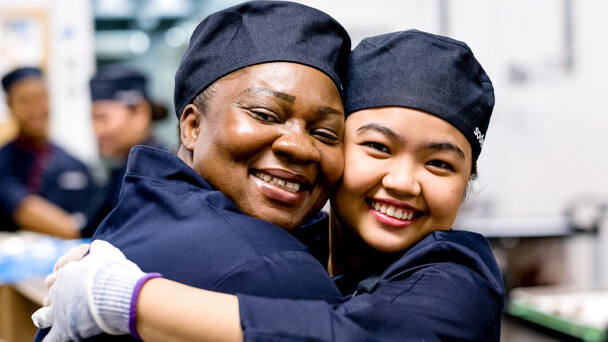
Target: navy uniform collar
x,y
152,142
155,163
32,146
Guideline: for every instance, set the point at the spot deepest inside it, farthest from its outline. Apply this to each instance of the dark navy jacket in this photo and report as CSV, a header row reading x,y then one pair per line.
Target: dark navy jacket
x,y
110,193
45,171
170,220
445,288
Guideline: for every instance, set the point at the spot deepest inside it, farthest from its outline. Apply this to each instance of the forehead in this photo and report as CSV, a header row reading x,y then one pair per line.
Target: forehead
x,y
107,106
26,85
285,77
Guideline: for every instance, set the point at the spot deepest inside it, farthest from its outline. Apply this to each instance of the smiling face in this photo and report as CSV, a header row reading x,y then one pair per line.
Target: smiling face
x,y
270,137
29,104
119,127
406,172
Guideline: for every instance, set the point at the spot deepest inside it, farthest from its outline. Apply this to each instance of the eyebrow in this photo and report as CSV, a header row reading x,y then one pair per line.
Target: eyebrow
x,y
330,111
278,94
382,130
445,146
289,98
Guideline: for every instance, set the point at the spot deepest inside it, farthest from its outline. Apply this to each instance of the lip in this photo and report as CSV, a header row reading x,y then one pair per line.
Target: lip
x,y
277,194
287,175
389,220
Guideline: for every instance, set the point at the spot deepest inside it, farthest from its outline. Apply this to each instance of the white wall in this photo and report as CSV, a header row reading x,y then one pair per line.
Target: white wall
x,y
72,64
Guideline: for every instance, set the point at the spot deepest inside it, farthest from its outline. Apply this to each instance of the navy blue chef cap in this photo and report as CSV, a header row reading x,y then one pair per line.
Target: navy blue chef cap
x,y
259,32
19,74
118,84
422,71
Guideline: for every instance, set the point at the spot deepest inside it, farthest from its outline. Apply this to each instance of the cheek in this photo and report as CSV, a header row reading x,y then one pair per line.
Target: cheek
x,y
332,164
222,143
121,130
237,137
116,122
361,172
445,200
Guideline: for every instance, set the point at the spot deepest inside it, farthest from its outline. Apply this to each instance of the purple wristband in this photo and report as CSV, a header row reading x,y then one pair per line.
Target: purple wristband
x,y
133,309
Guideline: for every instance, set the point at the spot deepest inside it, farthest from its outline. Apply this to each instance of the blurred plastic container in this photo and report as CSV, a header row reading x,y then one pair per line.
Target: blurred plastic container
x,y
27,255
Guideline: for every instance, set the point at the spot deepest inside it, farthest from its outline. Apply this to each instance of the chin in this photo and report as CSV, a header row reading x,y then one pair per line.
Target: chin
x,y
285,221
386,244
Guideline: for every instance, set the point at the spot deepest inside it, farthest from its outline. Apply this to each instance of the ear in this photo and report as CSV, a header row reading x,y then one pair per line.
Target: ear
x,y
190,126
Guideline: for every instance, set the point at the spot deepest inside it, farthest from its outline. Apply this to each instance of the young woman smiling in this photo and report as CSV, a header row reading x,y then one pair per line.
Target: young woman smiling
x,y
419,108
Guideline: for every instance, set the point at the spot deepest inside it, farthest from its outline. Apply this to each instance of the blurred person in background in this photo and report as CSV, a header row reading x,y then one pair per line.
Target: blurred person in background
x,y
42,187
123,115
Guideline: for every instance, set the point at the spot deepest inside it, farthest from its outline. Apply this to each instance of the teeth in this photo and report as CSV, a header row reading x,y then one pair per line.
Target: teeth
x,y
280,183
389,210
398,213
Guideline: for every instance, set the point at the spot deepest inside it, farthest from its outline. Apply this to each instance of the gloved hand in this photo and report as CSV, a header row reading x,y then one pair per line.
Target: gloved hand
x,y
74,254
92,296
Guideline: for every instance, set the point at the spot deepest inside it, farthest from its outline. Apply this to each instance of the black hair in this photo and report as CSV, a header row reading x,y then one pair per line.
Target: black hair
x,y
472,178
159,110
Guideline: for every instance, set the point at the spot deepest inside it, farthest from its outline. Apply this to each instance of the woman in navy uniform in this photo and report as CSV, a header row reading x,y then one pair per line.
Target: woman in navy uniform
x,y
419,106
123,114
42,187
260,151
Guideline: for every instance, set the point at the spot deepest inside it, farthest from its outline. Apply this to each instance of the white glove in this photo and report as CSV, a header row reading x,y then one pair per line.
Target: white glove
x,y
91,296
74,254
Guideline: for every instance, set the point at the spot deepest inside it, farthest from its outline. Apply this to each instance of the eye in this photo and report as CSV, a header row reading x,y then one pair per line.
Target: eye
x,y
377,146
326,136
441,165
264,116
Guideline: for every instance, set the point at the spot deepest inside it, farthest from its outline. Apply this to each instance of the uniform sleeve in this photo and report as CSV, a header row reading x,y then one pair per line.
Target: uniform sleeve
x,y
440,303
287,274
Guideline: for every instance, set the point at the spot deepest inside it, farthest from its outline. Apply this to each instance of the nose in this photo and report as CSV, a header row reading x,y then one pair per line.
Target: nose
x,y
297,145
402,179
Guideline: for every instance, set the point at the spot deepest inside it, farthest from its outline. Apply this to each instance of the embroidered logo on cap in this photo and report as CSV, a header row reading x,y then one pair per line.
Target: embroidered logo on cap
x,y
479,136
128,97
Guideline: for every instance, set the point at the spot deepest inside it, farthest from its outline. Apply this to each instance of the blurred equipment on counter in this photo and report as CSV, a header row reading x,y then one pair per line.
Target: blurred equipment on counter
x,y
25,259
576,312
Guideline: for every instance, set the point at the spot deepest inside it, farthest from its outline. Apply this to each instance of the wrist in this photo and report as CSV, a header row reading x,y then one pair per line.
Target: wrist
x,y
115,287
134,297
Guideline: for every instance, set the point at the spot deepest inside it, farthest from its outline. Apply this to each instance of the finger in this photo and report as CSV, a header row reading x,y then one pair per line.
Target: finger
x,y
50,280
46,301
74,254
101,246
43,317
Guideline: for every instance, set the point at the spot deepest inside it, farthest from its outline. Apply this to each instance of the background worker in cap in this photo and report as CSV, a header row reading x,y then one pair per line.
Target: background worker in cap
x,y
419,106
123,114
42,187
261,129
